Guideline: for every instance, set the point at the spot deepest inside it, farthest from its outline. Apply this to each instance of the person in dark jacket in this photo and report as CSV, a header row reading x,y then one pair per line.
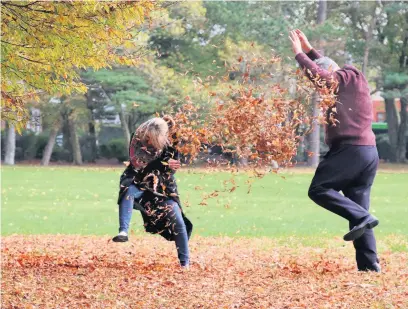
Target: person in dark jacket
x,y
351,163
148,184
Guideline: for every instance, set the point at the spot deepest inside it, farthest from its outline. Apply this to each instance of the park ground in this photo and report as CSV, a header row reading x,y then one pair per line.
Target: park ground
x,y
269,248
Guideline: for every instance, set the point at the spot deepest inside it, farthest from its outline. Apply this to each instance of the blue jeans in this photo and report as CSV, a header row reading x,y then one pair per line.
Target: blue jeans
x,y
171,213
175,219
126,207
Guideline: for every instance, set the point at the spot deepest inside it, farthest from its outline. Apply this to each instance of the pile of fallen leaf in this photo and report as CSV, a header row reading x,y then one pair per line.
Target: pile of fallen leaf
x,y
92,272
254,116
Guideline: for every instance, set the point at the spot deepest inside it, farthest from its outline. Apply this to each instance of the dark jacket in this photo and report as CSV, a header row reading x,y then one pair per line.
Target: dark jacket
x,y
353,108
157,181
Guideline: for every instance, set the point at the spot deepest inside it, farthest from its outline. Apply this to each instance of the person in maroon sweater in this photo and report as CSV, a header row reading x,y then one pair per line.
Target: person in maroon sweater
x,y
351,163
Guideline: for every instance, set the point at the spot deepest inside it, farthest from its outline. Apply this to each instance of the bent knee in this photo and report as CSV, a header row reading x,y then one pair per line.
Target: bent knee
x,y
134,192
171,206
316,192
174,213
172,210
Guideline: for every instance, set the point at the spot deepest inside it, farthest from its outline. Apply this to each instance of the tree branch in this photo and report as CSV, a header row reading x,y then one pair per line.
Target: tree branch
x,y
20,45
27,6
374,91
18,25
18,5
22,78
31,60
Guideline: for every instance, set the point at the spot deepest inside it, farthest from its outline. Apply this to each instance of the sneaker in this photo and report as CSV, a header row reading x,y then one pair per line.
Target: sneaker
x,y
121,237
185,267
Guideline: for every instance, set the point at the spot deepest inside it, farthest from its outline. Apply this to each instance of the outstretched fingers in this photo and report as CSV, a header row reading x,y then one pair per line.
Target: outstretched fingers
x,y
293,36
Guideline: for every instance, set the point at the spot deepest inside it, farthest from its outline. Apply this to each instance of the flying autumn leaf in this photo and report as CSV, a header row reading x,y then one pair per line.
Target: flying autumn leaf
x,y
251,118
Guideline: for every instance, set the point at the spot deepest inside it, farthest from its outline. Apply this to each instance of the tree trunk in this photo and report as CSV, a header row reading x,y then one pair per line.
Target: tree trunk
x,y
369,36
10,145
404,57
124,124
397,124
92,135
322,12
402,130
90,104
365,58
76,148
367,46
393,124
66,133
314,137
50,145
401,149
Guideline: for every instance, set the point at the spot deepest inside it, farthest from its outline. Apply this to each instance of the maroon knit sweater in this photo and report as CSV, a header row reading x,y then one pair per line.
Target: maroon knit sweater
x,y
353,104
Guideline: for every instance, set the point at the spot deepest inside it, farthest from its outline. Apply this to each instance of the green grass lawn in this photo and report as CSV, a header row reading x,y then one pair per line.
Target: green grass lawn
x,y
70,200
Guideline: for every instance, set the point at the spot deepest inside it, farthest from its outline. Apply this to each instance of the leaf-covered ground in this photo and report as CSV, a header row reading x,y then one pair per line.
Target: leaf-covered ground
x,y
92,272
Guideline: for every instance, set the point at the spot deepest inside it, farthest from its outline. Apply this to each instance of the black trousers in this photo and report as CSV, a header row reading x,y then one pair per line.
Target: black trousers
x,y
350,169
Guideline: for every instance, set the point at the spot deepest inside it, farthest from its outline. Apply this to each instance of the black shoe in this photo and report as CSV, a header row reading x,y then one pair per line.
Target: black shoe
x,y
375,268
120,238
357,231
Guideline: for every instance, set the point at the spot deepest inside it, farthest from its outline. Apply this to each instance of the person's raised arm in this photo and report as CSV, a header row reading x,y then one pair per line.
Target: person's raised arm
x,y
308,49
312,69
316,74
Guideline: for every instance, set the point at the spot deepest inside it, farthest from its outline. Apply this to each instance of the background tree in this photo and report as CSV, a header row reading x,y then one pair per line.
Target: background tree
x,y
157,67
314,137
67,115
44,44
385,66
128,91
96,102
395,77
10,145
51,117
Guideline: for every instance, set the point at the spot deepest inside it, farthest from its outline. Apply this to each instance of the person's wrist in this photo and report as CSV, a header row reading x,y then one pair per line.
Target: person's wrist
x,y
297,52
308,48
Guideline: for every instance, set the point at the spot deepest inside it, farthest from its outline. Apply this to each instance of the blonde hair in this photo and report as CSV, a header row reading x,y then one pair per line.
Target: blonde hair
x,y
155,131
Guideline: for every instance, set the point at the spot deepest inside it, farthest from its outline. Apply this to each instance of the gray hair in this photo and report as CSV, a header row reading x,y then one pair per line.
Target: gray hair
x,y
327,64
156,131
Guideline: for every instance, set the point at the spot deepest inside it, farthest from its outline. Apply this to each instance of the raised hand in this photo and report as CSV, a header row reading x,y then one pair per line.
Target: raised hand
x,y
306,46
296,44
